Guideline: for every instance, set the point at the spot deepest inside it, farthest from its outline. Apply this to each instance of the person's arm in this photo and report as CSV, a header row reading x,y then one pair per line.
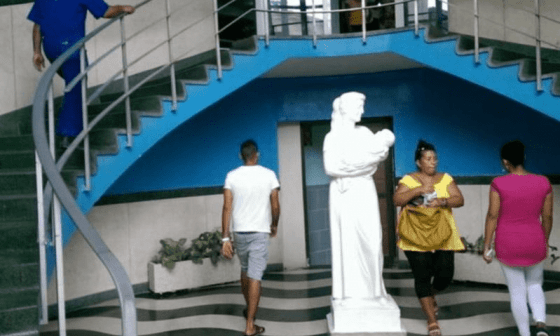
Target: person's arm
x,y
491,223
404,194
275,209
38,59
546,214
113,11
227,247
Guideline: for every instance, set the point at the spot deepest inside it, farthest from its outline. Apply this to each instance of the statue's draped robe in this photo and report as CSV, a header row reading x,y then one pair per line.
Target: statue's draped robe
x,y
351,157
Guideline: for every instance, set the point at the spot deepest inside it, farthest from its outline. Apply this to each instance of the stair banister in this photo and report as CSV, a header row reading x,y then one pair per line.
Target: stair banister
x,y
117,272
538,44
476,35
172,65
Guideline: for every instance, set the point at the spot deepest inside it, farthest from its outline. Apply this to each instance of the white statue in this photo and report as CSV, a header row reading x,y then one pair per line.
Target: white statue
x,y
351,156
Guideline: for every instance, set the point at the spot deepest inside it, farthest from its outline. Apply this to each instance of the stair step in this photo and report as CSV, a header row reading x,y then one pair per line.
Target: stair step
x,y
141,105
16,143
18,235
117,119
19,209
26,159
18,310
29,332
529,70
501,57
23,181
20,267
246,45
157,88
435,34
197,74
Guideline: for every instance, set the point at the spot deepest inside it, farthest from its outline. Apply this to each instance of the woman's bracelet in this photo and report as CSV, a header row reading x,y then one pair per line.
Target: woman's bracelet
x,y
226,239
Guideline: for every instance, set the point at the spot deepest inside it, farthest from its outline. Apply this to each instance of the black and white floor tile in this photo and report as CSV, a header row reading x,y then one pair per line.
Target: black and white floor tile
x,y
295,303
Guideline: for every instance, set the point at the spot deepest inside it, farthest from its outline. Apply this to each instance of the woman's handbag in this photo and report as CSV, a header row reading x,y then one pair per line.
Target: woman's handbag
x,y
425,228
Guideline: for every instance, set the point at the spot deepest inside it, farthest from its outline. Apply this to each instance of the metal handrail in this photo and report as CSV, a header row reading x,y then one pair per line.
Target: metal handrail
x,y
52,168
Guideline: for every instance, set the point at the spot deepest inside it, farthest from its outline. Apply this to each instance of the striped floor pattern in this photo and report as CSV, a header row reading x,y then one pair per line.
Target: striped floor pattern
x,y
296,303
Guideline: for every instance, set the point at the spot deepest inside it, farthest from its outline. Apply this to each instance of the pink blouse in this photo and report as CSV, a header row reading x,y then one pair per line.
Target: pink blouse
x,y
520,237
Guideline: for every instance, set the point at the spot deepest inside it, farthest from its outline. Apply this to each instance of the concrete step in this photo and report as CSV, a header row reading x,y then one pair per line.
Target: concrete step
x,y
20,267
18,310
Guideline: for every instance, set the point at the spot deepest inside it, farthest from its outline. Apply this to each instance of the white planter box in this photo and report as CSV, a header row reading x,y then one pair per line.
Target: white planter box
x,y
471,267
187,275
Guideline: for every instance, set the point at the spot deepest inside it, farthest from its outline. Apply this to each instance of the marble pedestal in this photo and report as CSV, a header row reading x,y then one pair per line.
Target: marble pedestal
x,y
365,317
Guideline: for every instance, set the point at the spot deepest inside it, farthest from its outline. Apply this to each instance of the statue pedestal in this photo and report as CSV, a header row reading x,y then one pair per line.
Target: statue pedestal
x,y
353,317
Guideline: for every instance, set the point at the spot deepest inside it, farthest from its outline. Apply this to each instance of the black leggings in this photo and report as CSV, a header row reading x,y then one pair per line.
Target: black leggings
x,y
438,265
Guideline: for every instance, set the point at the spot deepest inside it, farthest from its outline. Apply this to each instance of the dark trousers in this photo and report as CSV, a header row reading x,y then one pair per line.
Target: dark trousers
x,y
70,115
431,270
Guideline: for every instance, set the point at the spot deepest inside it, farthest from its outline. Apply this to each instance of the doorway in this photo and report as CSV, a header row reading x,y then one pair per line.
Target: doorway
x,y
316,192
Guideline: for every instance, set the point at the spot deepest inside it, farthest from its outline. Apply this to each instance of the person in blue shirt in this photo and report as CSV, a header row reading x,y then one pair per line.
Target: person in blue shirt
x,y
59,24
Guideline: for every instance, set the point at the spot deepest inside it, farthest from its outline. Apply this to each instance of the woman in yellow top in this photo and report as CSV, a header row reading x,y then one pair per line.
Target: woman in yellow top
x,y
428,244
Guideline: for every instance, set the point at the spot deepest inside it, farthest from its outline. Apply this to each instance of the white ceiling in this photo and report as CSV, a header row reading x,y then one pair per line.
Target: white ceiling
x,y
344,65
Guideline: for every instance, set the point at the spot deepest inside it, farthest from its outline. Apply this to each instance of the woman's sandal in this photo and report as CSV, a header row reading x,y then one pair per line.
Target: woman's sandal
x,y
433,329
258,330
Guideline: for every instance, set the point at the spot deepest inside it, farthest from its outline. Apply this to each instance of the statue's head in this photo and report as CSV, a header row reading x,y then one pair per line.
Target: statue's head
x,y
351,106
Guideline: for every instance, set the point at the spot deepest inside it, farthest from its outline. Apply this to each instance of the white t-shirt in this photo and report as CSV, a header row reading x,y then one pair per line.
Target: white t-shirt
x,y
251,187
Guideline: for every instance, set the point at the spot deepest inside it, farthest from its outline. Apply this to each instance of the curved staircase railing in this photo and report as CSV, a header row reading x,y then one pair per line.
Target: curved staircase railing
x,y
46,150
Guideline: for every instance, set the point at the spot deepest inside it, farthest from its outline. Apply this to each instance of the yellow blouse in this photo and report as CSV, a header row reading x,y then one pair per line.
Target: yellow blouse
x,y
454,243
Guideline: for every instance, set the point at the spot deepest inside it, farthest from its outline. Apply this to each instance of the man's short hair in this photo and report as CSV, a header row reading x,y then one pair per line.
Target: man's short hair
x,y
248,149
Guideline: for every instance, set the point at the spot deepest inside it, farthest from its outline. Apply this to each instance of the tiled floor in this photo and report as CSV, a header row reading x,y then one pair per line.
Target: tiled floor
x,y
296,303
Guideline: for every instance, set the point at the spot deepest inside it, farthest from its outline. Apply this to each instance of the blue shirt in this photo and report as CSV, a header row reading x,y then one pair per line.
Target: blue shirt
x,y
64,21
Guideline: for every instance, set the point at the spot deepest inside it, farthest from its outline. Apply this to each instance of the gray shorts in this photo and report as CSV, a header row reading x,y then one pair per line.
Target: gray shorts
x,y
252,250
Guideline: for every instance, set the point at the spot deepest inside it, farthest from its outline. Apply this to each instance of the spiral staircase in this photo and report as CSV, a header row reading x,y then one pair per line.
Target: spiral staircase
x,y
505,68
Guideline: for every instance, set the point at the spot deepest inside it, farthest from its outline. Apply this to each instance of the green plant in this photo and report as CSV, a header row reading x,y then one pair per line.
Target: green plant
x,y
171,251
207,245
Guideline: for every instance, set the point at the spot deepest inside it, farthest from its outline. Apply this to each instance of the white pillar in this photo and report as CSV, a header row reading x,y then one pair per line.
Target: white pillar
x,y
292,220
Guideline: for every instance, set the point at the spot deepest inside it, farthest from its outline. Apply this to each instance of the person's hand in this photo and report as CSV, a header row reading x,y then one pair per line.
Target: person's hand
x,y
38,61
437,202
273,231
227,249
487,255
128,9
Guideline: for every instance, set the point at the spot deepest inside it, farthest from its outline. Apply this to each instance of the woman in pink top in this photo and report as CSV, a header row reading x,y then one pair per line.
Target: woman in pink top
x,y
520,214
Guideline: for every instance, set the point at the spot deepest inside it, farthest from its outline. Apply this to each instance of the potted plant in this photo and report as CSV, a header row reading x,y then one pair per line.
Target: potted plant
x,y
176,267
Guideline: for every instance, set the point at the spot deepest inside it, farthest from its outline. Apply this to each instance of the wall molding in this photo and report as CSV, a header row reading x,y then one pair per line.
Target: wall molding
x,y
218,190
160,195
14,2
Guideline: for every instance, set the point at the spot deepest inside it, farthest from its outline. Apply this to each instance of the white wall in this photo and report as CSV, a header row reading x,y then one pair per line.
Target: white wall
x,y
18,77
133,230
516,15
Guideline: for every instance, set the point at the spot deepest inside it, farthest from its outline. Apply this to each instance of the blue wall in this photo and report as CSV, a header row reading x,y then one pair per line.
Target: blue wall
x,y
467,124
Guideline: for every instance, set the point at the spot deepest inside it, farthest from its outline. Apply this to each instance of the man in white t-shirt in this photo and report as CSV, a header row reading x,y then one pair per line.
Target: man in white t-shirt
x,y
251,203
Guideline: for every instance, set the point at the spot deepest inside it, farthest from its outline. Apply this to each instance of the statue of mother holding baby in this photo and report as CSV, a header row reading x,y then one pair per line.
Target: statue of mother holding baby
x,y
351,155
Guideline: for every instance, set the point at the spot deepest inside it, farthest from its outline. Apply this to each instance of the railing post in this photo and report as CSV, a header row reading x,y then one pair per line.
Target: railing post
x,y
416,17
266,25
217,29
42,242
476,33
57,234
126,85
85,119
172,65
363,21
315,24
50,105
538,44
